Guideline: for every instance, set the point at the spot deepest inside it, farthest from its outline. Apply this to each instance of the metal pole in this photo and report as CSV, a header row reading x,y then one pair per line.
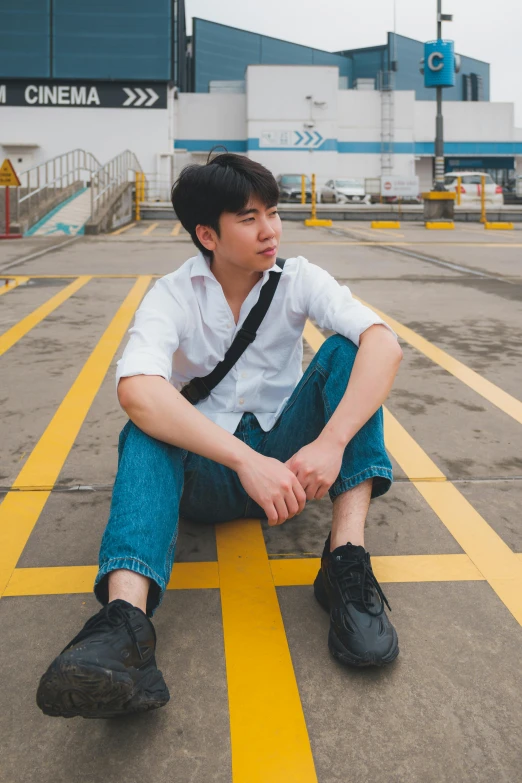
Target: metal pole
x,y
483,218
439,127
303,189
7,227
314,209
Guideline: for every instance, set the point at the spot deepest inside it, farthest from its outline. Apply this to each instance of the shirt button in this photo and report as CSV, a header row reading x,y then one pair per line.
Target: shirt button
x,y
241,401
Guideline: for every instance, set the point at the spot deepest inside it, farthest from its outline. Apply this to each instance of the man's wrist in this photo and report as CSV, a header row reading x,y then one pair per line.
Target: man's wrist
x,y
334,439
237,454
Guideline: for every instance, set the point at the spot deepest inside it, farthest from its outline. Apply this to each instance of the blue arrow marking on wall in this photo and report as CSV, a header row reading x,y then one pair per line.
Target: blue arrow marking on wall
x,y
318,139
300,137
309,139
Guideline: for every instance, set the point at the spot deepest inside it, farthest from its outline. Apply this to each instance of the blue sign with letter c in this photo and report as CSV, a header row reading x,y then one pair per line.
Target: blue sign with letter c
x,y
439,64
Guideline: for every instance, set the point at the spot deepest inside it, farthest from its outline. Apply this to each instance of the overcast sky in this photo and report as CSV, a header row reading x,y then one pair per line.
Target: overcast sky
x,y
488,30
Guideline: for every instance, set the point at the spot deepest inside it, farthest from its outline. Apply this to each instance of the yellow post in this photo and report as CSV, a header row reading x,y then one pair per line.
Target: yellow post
x,y
303,189
314,210
483,218
137,193
312,220
459,186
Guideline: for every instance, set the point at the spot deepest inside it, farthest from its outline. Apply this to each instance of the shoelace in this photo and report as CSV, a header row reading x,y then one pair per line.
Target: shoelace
x,y
112,616
358,575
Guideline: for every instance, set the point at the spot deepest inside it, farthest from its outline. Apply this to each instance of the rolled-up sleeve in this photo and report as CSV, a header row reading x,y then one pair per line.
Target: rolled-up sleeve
x,y
154,335
332,305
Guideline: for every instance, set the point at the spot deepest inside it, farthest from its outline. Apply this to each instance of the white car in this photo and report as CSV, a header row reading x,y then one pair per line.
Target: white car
x,y
470,188
341,191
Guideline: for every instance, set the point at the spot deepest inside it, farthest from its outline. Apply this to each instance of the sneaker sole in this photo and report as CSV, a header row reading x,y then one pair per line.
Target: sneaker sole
x,y
337,648
71,689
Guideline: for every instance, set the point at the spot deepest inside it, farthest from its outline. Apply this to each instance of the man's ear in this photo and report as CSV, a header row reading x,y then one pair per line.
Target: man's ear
x,y
207,237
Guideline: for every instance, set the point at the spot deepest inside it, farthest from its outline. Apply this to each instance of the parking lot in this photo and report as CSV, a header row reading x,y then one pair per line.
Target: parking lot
x,y
255,696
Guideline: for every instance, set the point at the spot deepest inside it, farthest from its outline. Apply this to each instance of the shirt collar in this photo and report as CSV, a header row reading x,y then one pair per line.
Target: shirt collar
x,y
201,268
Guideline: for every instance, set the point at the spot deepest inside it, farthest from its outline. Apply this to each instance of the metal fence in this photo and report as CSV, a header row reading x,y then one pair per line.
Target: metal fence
x,y
52,180
108,180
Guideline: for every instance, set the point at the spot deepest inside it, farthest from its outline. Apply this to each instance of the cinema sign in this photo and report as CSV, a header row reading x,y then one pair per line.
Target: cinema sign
x,y
92,95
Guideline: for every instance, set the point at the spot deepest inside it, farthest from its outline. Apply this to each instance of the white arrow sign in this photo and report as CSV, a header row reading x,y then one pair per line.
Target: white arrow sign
x,y
138,96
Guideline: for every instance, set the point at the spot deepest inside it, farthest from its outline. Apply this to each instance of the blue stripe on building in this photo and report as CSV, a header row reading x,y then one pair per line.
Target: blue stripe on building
x,y
460,148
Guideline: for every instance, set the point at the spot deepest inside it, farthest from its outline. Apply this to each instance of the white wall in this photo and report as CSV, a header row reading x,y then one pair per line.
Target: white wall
x,y
103,132
466,121
219,116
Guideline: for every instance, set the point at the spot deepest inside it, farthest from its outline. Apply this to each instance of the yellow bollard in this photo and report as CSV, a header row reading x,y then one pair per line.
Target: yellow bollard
x,y
459,186
483,218
303,189
312,220
137,190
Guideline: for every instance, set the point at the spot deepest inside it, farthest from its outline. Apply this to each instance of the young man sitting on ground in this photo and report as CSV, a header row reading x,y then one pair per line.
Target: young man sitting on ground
x,y
266,440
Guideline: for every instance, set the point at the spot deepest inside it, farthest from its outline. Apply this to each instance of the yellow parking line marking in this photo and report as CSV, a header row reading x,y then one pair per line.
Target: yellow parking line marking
x,y
268,732
177,228
390,568
485,548
16,332
62,580
122,229
11,283
149,229
492,393
19,511
369,243
373,232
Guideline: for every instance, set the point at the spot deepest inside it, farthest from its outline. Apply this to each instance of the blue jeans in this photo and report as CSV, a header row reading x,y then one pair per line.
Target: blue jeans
x,y
156,482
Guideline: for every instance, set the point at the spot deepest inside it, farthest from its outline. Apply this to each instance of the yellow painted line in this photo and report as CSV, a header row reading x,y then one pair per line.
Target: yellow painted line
x,y
122,229
11,283
149,229
488,552
177,228
268,732
16,332
62,580
19,511
490,391
370,243
394,568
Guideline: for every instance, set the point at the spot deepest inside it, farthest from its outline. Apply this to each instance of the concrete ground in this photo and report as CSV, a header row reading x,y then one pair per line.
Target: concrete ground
x,y
255,696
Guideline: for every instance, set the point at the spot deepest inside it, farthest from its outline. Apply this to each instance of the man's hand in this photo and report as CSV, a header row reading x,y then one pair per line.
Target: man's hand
x,y
273,487
316,466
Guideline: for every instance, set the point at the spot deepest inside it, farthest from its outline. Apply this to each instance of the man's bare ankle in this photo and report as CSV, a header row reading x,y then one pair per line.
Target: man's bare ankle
x,y
129,586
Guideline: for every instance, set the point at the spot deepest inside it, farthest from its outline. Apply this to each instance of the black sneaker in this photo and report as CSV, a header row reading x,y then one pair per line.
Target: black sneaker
x,y
360,632
108,669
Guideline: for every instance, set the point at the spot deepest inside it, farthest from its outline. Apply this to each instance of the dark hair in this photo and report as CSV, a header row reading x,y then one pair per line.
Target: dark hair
x,y
224,184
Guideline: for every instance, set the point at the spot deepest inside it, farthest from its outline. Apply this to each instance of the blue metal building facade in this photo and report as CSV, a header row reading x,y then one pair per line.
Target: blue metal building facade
x,y
409,52
101,39
220,52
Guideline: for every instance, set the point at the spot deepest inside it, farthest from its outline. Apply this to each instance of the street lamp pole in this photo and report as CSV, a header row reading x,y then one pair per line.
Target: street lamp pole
x,y
439,127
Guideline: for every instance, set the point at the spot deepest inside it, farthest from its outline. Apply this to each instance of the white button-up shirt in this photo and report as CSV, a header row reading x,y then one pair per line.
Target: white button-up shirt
x,y
184,327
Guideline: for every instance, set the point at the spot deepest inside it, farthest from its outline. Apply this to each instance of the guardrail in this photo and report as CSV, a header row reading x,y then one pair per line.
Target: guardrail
x,y
48,181
109,179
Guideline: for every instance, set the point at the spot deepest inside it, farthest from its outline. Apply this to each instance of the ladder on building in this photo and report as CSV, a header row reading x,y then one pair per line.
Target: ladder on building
x,y
386,84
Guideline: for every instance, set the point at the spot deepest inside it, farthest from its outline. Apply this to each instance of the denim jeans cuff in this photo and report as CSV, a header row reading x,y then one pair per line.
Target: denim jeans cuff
x,y
156,589
380,487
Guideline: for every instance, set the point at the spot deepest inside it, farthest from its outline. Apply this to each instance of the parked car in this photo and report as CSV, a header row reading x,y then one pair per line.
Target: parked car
x,y
342,191
290,188
471,186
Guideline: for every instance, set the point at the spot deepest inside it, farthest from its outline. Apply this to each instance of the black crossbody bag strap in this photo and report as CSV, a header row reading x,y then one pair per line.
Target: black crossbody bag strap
x,y
199,388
